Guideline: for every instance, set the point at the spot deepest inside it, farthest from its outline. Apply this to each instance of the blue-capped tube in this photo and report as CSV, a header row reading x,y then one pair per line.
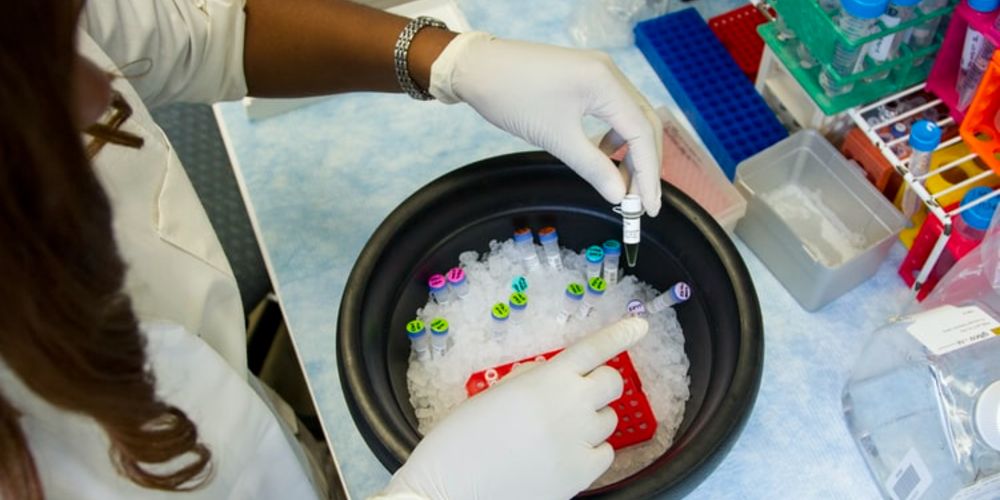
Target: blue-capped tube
x,y
518,304
420,340
612,256
594,259
571,302
549,239
595,290
524,242
439,336
500,314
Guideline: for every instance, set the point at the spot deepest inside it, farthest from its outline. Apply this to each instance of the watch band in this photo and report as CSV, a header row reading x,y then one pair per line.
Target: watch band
x,y
402,51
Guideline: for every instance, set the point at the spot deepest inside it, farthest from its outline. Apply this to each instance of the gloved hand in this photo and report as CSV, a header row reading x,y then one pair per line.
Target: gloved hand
x,y
539,433
541,92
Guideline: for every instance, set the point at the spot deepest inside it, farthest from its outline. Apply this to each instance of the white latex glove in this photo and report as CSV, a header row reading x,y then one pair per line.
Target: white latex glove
x,y
540,93
540,433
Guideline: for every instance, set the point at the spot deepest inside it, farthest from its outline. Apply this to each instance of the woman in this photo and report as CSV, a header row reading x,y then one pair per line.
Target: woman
x,y
102,400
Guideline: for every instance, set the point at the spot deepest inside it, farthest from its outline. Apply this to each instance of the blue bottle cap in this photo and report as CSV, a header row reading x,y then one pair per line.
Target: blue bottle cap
x,y
547,234
925,135
905,3
984,5
979,216
594,254
865,9
523,234
899,129
612,247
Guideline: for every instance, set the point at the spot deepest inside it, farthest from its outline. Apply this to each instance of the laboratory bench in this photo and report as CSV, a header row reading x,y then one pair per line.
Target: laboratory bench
x,y
318,181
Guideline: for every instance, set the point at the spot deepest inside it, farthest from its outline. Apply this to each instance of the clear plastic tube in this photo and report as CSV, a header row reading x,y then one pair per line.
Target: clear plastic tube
x,y
420,340
594,257
886,48
438,285
678,293
518,303
500,313
572,299
524,242
847,60
976,54
549,239
612,256
595,290
458,282
923,35
439,336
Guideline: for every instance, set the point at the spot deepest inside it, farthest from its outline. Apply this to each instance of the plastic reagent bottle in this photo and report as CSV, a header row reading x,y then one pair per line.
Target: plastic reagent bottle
x,y
439,289
924,139
595,289
975,220
924,34
457,281
856,20
420,341
571,302
631,212
500,313
439,336
549,239
923,404
976,54
518,302
887,48
594,257
524,242
678,293
612,255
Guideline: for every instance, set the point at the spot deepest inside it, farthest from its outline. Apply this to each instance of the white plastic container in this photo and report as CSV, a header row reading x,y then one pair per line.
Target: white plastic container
x,y
813,219
923,405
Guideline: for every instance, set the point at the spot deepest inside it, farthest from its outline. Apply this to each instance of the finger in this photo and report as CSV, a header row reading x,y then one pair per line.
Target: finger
x,y
611,143
604,424
598,460
631,116
592,165
600,346
606,386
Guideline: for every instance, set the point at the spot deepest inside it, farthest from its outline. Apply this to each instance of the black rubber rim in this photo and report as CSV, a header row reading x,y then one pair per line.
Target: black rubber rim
x,y
697,460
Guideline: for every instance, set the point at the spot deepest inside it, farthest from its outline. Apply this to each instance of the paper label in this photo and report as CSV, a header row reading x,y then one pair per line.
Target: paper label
x,y
949,328
910,479
879,49
630,231
973,44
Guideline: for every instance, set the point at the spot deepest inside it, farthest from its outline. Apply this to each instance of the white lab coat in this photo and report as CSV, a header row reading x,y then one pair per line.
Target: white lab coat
x,y
252,457
171,50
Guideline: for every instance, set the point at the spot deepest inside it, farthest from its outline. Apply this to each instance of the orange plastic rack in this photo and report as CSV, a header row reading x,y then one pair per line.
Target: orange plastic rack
x,y
979,127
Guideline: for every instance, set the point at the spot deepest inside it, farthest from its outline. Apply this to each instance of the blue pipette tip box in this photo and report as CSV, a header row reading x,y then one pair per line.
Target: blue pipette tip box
x,y
732,119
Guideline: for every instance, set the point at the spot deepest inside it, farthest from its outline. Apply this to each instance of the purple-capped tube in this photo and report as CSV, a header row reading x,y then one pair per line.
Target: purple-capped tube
x,y
678,293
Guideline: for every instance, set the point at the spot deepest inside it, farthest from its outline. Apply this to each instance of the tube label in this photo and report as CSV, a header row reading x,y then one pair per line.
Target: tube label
x,y
630,231
973,44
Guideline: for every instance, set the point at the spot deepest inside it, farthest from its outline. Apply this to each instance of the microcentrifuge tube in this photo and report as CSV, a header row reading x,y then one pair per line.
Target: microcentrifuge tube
x,y
518,304
594,257
612,254
571,302
500,313
595,289
635,309
631,212
525,244
549,239
439,336
439,289
678,293
519,284
420,341
457,282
